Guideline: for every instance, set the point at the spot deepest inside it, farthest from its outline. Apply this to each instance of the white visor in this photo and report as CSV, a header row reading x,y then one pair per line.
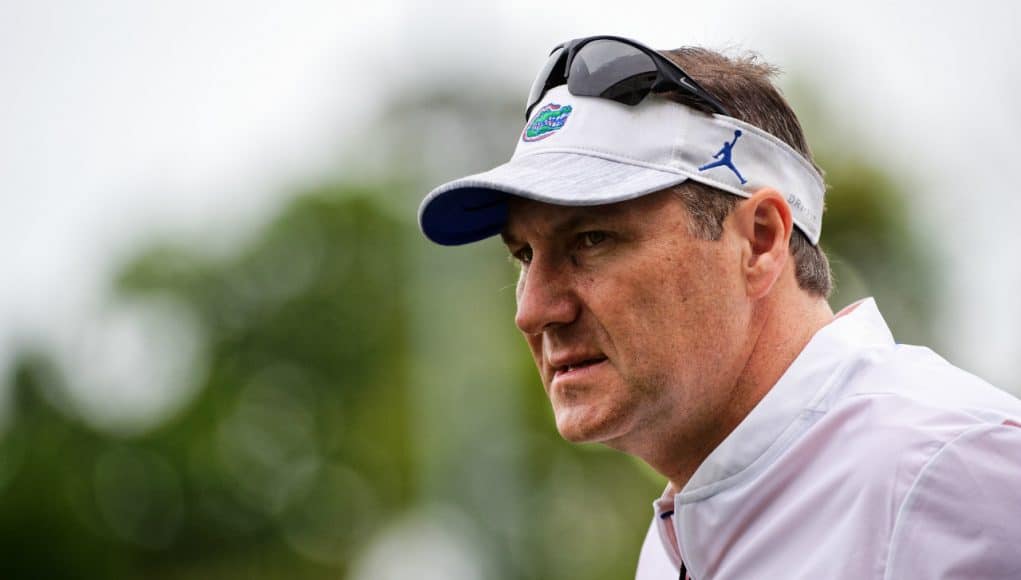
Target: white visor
x,y
593,151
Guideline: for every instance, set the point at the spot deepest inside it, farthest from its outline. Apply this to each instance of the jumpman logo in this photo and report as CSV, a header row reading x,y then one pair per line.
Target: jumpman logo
x,y
723,157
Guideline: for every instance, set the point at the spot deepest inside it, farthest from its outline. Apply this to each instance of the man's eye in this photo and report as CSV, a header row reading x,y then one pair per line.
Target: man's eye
x,y
590,239
524,255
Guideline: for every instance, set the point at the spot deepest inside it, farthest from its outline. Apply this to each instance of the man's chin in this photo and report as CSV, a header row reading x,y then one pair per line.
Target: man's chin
x,y
587,431
577,436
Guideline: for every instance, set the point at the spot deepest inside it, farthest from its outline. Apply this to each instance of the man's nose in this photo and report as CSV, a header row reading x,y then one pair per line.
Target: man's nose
x,y
546,298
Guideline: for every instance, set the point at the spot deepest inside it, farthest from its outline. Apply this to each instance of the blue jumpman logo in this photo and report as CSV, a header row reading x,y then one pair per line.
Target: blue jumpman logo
x,y
723,158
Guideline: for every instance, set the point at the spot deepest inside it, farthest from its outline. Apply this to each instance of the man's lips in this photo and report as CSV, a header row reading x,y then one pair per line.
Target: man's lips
x,y
572,365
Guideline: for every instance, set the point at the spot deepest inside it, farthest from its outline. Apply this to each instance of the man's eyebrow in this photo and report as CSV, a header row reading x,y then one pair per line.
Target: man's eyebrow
x,y
572,222
508,238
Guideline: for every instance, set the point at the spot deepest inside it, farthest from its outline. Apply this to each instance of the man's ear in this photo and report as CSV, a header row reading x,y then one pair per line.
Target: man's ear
x,y
764,225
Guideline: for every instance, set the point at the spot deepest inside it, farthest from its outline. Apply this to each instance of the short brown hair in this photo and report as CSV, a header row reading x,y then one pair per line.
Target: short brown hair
x,y
742,84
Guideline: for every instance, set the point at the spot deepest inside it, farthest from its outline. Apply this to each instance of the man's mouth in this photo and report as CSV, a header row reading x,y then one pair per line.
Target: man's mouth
x,y
577,365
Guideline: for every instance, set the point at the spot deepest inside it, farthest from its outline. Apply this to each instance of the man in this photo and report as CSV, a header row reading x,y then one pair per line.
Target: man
x,y
666,214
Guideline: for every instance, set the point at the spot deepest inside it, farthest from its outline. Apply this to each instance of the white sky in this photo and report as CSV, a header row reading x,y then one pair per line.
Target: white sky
x,y
123,119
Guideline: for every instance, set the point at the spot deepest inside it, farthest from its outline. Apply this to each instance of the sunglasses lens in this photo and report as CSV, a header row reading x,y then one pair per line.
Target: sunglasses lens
x,y
542,80
612,70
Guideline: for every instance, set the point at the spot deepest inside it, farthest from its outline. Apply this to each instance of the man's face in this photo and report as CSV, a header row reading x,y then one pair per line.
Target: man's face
x,y
638,328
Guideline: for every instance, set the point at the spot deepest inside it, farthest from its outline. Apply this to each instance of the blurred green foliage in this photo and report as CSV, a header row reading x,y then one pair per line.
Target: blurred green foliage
x,y
874,252
296,446
365,408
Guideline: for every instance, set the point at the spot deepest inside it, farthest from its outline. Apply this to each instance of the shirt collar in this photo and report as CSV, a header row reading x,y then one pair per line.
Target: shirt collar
x,y
775,421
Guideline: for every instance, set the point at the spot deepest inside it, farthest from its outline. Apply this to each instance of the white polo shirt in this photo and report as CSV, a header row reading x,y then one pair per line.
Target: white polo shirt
x,y
867,459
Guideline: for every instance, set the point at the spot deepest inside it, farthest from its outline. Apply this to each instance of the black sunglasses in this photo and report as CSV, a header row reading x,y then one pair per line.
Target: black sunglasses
x,y
613,68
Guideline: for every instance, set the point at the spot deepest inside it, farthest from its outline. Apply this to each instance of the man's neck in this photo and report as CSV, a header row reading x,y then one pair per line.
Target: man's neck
x,y
785,327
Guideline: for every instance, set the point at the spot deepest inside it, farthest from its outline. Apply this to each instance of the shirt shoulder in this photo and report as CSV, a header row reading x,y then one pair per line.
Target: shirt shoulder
x,y
944,448
959,518
895,409
890,408
919,375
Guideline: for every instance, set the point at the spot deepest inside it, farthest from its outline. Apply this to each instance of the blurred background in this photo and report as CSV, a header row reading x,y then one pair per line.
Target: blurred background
x,y
227,352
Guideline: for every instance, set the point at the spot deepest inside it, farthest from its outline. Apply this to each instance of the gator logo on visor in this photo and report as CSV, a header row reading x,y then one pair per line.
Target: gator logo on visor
x,y
547,121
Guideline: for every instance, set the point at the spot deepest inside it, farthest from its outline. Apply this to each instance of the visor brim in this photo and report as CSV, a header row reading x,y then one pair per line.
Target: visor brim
x,y
475,207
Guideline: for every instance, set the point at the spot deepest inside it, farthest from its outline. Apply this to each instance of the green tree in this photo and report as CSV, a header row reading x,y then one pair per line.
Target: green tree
x,y
295,449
